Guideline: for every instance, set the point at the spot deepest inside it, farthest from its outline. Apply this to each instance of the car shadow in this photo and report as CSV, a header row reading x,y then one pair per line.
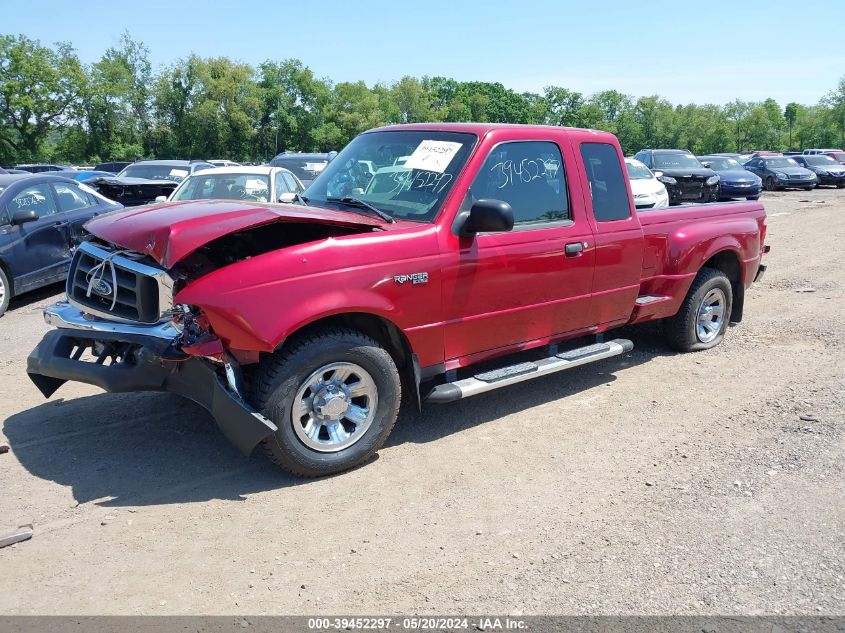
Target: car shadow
x,y
140,449
34,296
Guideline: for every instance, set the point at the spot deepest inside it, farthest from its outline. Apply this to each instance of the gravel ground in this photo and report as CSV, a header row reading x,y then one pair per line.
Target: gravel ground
x,y
654,483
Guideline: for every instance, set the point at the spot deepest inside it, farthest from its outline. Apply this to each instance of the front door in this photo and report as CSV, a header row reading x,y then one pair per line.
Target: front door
x,y
38,251
503,289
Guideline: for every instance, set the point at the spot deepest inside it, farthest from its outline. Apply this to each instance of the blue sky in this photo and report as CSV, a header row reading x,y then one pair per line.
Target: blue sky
x,y
700,52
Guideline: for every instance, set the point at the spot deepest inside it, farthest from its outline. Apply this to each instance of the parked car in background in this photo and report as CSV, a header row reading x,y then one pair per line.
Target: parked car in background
x,y
781,172
827,170
221,162
259,184
810,152
686,179
40,168
113,167
144,181
648,191
734,180
305,166
837,155
87,174
41,219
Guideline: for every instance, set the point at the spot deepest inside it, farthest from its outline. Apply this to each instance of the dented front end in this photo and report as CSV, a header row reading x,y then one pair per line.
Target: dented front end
x,y
121,328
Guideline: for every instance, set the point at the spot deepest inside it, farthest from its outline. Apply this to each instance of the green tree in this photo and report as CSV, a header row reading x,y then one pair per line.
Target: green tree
x,y
40,89
790,113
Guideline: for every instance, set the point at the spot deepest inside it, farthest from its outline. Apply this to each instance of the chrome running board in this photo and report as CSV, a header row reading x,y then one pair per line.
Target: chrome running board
x,y
520,372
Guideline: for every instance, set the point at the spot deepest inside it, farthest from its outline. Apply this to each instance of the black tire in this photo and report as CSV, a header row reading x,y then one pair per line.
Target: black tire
x,y
5,291
808,188
681,329
770,184
753,198
280,376
840,185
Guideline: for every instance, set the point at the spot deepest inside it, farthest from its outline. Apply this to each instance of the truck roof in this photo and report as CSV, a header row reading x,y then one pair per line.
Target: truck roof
x,y
481,129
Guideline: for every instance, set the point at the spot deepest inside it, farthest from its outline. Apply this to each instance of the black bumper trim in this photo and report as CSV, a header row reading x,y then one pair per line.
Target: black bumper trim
x,y
50,365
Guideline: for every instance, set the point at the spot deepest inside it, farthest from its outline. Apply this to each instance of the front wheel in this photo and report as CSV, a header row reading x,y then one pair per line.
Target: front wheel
x,y
5,291
770,184
808,188
752,198
704,315
334,396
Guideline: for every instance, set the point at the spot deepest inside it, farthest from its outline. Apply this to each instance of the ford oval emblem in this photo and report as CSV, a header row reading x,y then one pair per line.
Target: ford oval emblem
x,y
102,287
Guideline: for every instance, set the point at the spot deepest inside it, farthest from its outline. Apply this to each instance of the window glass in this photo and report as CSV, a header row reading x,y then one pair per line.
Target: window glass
x,y
291,182
226,186
529,177
607,182
675,160
71,199
176,173
34,198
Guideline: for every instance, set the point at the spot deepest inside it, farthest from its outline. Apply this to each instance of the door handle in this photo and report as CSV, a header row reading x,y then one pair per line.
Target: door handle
x,y
573,249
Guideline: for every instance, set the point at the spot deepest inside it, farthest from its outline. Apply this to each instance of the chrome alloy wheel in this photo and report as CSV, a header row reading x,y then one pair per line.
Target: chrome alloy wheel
x,y
2,291
711,315
334,407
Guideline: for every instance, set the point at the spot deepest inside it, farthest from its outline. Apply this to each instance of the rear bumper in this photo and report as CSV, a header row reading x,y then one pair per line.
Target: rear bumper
x,y
58,358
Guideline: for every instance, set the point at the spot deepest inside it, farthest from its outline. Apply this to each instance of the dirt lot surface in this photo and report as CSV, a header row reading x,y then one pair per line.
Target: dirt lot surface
x,y
652,483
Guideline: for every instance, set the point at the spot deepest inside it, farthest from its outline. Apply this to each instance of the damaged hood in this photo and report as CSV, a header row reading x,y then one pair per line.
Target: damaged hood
x,y
169,231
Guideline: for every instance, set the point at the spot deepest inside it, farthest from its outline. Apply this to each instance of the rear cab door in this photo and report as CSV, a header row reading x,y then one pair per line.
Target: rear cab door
x,y
618,236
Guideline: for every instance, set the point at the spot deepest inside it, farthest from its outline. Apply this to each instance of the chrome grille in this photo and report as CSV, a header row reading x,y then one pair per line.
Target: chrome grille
x,y
113,284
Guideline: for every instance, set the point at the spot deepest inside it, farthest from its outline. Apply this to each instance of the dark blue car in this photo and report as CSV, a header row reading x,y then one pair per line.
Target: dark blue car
x,y
41,218
734,180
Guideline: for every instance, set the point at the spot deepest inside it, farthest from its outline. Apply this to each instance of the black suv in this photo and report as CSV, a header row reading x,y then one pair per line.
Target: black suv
x,y
686,179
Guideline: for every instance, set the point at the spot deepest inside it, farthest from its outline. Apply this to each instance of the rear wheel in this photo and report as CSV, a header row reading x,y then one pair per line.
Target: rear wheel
x,y
334,396
5,292
704,315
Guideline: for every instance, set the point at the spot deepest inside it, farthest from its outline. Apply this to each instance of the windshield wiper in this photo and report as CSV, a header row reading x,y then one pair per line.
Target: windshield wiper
x,y
361,204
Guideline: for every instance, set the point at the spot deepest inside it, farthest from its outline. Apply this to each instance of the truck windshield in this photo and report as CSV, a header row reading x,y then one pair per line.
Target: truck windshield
x,y
369,169
676,161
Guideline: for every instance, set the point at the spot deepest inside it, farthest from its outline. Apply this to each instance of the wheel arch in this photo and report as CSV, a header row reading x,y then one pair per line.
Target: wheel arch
x,y
384,332
8,272
728,262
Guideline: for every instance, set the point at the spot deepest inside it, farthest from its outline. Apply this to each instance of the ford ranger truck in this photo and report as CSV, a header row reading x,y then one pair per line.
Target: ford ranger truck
x,y
417,263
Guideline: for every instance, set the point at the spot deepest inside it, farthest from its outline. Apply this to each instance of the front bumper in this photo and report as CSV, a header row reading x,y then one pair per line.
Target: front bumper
x,y
839,181
146,363
691,193
736,190
796,183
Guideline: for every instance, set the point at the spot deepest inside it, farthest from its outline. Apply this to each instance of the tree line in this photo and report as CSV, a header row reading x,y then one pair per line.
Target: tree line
x,y
55,108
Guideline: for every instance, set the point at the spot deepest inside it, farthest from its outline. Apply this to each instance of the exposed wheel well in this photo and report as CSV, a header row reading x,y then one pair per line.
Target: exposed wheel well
x,y
8,272
728,263
387,334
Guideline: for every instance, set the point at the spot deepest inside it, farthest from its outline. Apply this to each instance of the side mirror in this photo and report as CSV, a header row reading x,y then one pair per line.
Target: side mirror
x,y
488,216
658,174
161,199
287,197
22,216
706,163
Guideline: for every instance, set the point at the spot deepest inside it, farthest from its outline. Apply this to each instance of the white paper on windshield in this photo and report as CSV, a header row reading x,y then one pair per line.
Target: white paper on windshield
x,y
315,167
433,156
179,173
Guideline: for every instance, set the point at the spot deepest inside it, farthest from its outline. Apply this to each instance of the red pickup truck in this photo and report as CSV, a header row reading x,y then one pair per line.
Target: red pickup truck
x,y
418,262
